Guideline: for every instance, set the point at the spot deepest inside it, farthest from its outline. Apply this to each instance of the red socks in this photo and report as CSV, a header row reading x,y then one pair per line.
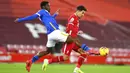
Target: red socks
x,y
56,59
81,59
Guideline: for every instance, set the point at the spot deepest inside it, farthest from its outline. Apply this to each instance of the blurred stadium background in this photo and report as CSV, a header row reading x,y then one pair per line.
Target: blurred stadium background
x,y
111,28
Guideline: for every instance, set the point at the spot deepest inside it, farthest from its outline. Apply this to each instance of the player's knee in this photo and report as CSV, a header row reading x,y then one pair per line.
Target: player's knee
x,y
81,51
66,57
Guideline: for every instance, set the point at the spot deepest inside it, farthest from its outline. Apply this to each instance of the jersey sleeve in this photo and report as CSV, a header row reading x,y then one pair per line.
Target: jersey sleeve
x,y
54,15
71,21
34,16
70,25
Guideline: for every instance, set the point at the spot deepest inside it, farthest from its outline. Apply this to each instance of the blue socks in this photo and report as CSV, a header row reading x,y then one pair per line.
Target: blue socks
x,y
35,58
85,47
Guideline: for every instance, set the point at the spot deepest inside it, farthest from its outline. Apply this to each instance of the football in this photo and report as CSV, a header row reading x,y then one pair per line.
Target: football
x,y
104,51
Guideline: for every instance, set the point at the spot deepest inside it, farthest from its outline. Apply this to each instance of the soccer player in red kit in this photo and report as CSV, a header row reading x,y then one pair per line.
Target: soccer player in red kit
x,y
72,29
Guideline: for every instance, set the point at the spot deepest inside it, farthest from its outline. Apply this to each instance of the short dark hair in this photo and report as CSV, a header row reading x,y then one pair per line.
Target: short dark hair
x,y
81,7
43,3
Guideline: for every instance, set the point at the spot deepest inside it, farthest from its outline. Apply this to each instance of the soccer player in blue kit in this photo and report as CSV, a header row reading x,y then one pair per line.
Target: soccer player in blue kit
x,y
53,32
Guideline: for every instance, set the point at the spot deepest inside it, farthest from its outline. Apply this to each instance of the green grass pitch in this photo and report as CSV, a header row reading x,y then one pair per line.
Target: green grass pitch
x,y
63,68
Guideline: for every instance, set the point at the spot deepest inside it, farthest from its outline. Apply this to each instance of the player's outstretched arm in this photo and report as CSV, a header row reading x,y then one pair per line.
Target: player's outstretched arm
x,y
80,32
56,13
34,16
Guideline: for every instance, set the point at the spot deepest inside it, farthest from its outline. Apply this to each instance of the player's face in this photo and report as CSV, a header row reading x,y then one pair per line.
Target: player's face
x,y
81,13
47,7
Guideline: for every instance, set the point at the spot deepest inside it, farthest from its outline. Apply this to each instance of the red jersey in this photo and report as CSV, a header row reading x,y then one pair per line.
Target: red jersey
x,y
73,26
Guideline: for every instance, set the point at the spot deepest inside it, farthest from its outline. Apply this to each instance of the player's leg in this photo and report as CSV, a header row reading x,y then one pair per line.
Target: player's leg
x,y
74,40
52,37
81,59
64,37
50,45
36,57
90,51
66,50
77,42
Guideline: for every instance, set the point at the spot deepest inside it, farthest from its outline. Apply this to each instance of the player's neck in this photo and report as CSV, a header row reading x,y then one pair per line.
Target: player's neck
x,y
76,14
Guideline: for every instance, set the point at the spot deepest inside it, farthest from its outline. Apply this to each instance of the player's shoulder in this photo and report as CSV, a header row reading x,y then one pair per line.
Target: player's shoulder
x,y
73,16
41,10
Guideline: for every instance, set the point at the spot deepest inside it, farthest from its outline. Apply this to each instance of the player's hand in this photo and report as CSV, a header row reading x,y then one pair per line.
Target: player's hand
x,y
57,12
80,32
16,20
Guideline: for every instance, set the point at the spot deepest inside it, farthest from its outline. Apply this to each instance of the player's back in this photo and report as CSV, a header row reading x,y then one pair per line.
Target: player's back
x,y
48,20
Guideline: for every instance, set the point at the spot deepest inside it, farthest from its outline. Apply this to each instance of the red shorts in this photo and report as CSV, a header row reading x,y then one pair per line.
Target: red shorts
x,y
67,48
